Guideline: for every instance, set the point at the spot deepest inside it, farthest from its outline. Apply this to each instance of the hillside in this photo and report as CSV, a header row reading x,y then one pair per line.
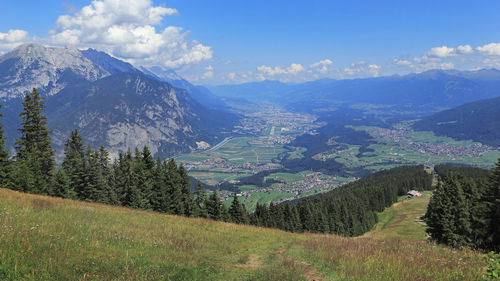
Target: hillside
x,y
478,121
129,110
402,219
109,101
43,238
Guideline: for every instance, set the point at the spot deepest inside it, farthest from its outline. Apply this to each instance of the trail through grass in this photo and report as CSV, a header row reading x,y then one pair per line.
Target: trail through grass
x,y
43,238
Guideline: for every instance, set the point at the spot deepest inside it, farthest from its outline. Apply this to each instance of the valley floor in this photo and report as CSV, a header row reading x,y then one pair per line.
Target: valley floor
x,y
44,238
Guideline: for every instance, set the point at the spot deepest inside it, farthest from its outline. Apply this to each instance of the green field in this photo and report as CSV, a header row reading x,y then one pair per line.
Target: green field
x,y
387,151
43,238
402,220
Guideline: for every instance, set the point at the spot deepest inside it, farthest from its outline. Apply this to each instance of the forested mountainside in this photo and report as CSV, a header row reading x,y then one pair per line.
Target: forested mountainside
x,y
478,121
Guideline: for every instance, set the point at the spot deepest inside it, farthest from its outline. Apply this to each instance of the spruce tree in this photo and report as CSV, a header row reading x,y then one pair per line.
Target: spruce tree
x,y
34,145
61,186
236,211
74,163
200,201
214,207
494,212
5,165
174,188
187,197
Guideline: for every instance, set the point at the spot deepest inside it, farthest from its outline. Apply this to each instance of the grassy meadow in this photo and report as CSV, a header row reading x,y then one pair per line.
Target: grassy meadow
x,y
44,238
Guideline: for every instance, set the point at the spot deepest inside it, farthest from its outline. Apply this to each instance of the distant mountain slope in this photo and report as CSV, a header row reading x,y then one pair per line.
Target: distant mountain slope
x,y
429,90
132,110
478,121
425,92
46,68
199,93
109,63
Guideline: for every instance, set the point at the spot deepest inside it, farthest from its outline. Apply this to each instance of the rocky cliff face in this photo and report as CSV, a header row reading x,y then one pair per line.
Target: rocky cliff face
x,y
45,68
113,104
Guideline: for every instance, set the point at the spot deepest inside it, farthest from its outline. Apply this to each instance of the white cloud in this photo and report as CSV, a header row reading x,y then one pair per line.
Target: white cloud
x,y
322,65
492,49
446,65
441,52
231,75
402,62
12,39
127,29
360,69
293,69
209,72
465,49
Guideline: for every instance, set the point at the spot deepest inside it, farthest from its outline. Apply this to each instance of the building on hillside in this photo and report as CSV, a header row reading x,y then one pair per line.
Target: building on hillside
x,y
413,193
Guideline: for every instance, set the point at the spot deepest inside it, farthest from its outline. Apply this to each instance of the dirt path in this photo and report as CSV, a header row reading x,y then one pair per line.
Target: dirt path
x,y
252,262
309,273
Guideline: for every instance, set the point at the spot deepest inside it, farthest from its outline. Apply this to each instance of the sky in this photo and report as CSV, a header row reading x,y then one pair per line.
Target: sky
x,y
229,42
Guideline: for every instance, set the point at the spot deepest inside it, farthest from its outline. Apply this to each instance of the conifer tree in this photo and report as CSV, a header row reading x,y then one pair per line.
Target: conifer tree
x,y
200,201
187,197
61,186
5,165
105,173
494,213
34,145
214,207
74,163
131,195
237,212
174,188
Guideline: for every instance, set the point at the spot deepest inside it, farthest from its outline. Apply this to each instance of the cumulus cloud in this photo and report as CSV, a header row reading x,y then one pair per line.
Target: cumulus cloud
x,y
12,39
322,65
128,29
465,49
209,72
441,52
402,62
492,49
293,69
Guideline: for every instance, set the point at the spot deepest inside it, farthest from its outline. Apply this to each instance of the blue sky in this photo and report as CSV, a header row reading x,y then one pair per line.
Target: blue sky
x,y
215,42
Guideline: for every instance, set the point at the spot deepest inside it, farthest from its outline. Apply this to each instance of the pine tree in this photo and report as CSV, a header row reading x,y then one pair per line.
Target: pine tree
x,y
105,171
61,186
187,197
494,200
236,211
34,145
74,163
214,207
174,188
200,201
5,165
130,195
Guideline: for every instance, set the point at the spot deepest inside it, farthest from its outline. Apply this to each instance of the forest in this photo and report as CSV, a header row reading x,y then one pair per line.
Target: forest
x,y
464,210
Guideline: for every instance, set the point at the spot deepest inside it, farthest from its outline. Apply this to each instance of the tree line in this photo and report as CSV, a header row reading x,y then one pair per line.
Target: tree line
x,y
137,180
133,180
350,210
464,210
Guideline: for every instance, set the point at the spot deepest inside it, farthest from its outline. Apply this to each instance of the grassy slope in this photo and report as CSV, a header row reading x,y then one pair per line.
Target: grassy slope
x,y
401,220
43,238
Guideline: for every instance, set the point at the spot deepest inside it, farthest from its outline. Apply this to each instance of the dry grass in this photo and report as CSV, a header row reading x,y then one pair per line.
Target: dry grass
x,y
43,238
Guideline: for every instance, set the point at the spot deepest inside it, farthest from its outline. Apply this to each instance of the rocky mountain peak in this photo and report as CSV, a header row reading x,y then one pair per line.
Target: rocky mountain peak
x,y
48,69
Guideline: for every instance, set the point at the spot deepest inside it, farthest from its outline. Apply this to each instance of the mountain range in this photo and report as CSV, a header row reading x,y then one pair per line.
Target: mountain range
x,y
109,101
420,94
